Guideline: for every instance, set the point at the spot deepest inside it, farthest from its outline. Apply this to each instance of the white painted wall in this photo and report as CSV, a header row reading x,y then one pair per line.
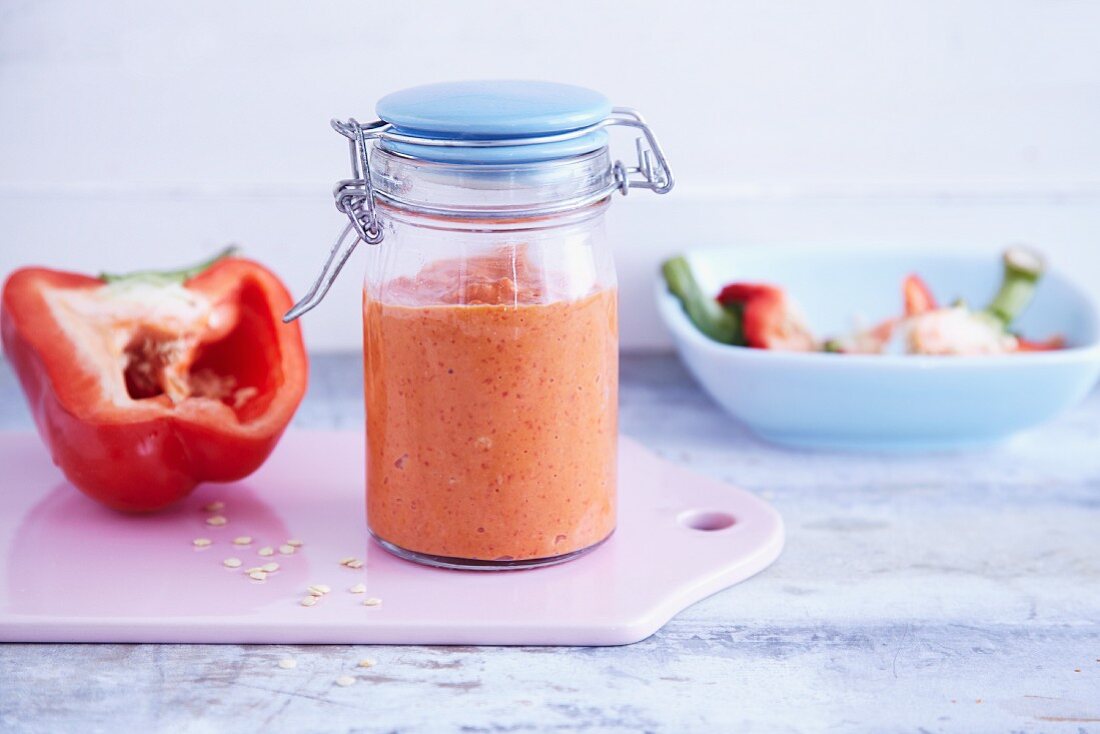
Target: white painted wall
x,y
136,133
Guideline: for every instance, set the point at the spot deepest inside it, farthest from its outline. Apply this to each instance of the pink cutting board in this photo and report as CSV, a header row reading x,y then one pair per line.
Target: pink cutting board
x,y
74,571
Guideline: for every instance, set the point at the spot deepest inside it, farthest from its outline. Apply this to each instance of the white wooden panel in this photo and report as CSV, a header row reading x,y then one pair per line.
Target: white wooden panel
x,y
136,133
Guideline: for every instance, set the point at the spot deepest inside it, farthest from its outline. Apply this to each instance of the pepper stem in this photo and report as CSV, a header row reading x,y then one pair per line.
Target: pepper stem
x,y
1022,269
170,276
709,316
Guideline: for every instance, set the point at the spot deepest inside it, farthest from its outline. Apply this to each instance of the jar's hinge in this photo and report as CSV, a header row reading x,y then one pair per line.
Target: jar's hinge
x,y
355,198
652,171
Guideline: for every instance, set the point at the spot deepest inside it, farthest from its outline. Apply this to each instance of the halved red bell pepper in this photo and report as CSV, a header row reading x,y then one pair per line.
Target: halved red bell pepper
x,y
768,320
144,386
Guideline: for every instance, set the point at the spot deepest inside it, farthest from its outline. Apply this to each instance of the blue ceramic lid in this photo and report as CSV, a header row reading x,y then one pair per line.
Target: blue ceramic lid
x,y
495,110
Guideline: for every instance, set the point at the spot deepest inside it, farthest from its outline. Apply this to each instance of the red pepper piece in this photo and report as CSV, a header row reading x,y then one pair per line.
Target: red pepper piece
x,y
882,331
1054,343
143,388
918,296
768,319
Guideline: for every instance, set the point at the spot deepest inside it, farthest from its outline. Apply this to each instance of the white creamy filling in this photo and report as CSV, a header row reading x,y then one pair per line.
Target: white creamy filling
x,y
102,322
956,331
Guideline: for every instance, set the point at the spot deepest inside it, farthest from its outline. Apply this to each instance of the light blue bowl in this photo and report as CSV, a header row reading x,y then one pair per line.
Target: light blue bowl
x,y
886,401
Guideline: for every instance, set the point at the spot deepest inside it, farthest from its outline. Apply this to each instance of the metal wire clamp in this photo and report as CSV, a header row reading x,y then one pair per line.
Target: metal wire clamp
x,y
357,198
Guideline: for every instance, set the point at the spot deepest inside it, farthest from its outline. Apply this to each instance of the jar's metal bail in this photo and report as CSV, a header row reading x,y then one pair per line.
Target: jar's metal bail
x,y
356,197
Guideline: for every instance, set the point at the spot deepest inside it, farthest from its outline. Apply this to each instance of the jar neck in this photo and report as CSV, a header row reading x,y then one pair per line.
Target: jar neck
x,y
505,191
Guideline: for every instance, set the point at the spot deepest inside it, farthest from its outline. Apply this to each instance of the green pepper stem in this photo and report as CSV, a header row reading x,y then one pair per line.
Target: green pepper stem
x,y
1022,269
718,323
181,275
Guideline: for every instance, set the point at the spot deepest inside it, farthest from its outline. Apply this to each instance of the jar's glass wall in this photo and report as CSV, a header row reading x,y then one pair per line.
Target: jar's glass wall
x,y
491,362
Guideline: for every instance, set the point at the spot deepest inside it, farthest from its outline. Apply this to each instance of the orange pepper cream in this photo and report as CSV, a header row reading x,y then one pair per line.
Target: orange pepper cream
x,y
491,413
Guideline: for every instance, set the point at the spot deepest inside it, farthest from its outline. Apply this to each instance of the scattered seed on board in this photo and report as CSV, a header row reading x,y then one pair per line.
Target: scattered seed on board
x,y
232,563
294,543
201,542
351,562
269,567
214,506
367,663
216,520
267,550
319,589
243,540
286,550
372,602
358,589
258,574
288,663
345,681
309,601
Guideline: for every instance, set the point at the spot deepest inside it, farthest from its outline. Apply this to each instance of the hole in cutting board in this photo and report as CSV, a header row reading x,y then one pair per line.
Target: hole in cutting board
x,y
706,520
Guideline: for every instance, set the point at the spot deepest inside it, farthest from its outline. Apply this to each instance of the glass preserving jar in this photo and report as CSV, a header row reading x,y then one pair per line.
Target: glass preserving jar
x,y
490,325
